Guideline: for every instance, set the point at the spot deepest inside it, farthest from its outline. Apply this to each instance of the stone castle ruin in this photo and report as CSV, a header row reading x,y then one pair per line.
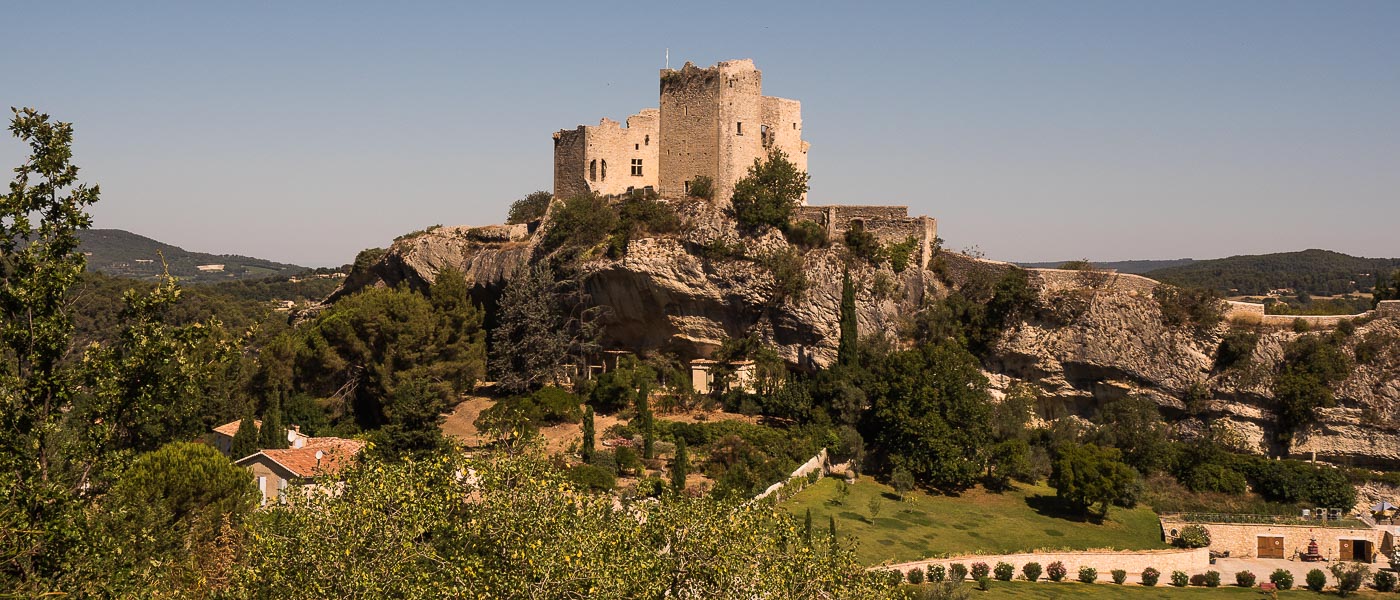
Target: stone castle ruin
x,y
713,122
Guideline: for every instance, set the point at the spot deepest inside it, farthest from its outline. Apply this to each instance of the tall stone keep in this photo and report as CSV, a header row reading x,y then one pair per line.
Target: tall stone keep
x,y
713,122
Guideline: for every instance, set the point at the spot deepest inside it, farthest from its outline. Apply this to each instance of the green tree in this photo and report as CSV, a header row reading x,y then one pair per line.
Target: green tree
x,y
769,193
245,441
588,435
161,523
807,527
1134,426
848,351
530,207
272,435
542,326
1085,475
929,413
680,467
645,420
39,262
902,481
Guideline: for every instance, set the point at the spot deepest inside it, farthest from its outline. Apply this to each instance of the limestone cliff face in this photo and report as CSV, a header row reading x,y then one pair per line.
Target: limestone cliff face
x,y
667,293
1087,342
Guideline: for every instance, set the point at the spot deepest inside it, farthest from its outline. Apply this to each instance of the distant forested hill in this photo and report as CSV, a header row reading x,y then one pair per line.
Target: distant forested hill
x,y
125,254
1317,272
1122,266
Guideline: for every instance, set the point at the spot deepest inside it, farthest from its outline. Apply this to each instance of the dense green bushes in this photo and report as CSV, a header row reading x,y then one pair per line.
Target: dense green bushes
x,y
1198,307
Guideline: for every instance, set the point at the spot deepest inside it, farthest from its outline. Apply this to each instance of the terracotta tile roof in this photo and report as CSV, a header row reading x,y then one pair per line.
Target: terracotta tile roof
x,y
231,428
336,453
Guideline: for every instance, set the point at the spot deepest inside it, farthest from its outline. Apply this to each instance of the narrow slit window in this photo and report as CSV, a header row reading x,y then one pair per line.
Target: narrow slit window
x,y
593,170
604,171
739,128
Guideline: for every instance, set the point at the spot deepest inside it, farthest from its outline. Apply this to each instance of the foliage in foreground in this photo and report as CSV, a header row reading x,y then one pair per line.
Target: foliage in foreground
x,y
513,527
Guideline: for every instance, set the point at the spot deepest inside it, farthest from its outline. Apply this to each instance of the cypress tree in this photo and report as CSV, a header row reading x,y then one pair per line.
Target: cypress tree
x,y
831,524
588,434
679,467
807,528
272,434
245,442
846,353
647,422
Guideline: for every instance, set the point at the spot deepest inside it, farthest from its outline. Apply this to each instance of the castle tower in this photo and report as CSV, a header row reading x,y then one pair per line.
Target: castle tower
x,y
607,159
715,122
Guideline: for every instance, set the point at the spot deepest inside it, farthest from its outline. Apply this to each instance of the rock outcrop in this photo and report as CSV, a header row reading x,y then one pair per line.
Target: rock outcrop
x,y
1091,339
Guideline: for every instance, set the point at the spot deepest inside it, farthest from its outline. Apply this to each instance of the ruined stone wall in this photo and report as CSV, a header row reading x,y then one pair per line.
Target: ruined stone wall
x,y
1252,313
1388,308
782,128
689,127
1056,280
1242,540
570,175
600,158
889,224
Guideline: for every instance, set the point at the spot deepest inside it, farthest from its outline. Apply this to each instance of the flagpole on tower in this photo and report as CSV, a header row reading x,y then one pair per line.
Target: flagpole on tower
x,y
668,59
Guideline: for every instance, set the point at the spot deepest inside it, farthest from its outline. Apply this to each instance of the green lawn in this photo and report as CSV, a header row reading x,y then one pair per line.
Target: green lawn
x,y
922,526
1020,590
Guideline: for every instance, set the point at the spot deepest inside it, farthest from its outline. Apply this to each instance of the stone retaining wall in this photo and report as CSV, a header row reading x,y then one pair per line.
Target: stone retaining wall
x,y
1241,540
817,463
1134,562
1252,313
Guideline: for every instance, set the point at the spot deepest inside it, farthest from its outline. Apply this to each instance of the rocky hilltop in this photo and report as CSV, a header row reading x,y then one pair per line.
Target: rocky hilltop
x,y
1090,338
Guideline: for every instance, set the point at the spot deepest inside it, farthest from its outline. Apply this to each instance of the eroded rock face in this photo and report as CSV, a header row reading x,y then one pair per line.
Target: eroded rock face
x,y
1083,347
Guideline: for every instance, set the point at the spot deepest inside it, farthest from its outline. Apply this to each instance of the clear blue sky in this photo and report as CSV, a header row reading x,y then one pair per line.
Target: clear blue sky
x,y
305,132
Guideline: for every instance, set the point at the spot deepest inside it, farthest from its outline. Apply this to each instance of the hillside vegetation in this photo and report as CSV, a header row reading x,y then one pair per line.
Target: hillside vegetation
x,y
1316,272
125,254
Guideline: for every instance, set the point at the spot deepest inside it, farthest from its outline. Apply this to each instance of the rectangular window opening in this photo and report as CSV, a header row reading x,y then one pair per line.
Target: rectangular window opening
x,y
739,128
636,167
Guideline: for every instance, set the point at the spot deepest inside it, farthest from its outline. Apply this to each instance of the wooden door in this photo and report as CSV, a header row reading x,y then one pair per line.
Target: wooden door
x,y
1346,551
1270,547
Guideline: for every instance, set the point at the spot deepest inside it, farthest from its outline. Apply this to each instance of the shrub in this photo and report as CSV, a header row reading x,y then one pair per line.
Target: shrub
x,y
1212,578
807,234
1150,576
1244,579
593,477
1179,578
1056,571
915,576
984,583
1384,581
937,573
901,253
529,208
894,577
628,461
1316,580
1193,536
1235,349
1004,571
863,244
1300,325
1283,578
1119,576
980,570
702,187
1181,306
1088,574
1031,571
957,572
1349,576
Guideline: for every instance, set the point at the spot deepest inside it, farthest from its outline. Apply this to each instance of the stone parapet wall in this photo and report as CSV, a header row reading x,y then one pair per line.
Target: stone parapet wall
x,y
1252,313
1241,540
1134,562
1388,308
889,224
1056,280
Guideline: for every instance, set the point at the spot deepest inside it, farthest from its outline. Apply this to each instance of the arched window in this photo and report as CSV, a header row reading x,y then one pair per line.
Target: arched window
x,y
593,170
604,175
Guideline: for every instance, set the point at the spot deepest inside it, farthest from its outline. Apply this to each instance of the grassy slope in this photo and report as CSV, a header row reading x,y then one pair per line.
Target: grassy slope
x,y
1020,590
977,522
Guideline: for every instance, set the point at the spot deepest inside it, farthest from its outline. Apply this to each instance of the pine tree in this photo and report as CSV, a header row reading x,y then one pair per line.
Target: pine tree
x,y
588,434
245,442
646,420
272,434
847,353
679,467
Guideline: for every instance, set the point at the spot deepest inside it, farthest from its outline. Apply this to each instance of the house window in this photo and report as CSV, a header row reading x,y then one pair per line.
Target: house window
x,y
636,167
636,146
604,175
646,140
739,128
593,170
794,125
